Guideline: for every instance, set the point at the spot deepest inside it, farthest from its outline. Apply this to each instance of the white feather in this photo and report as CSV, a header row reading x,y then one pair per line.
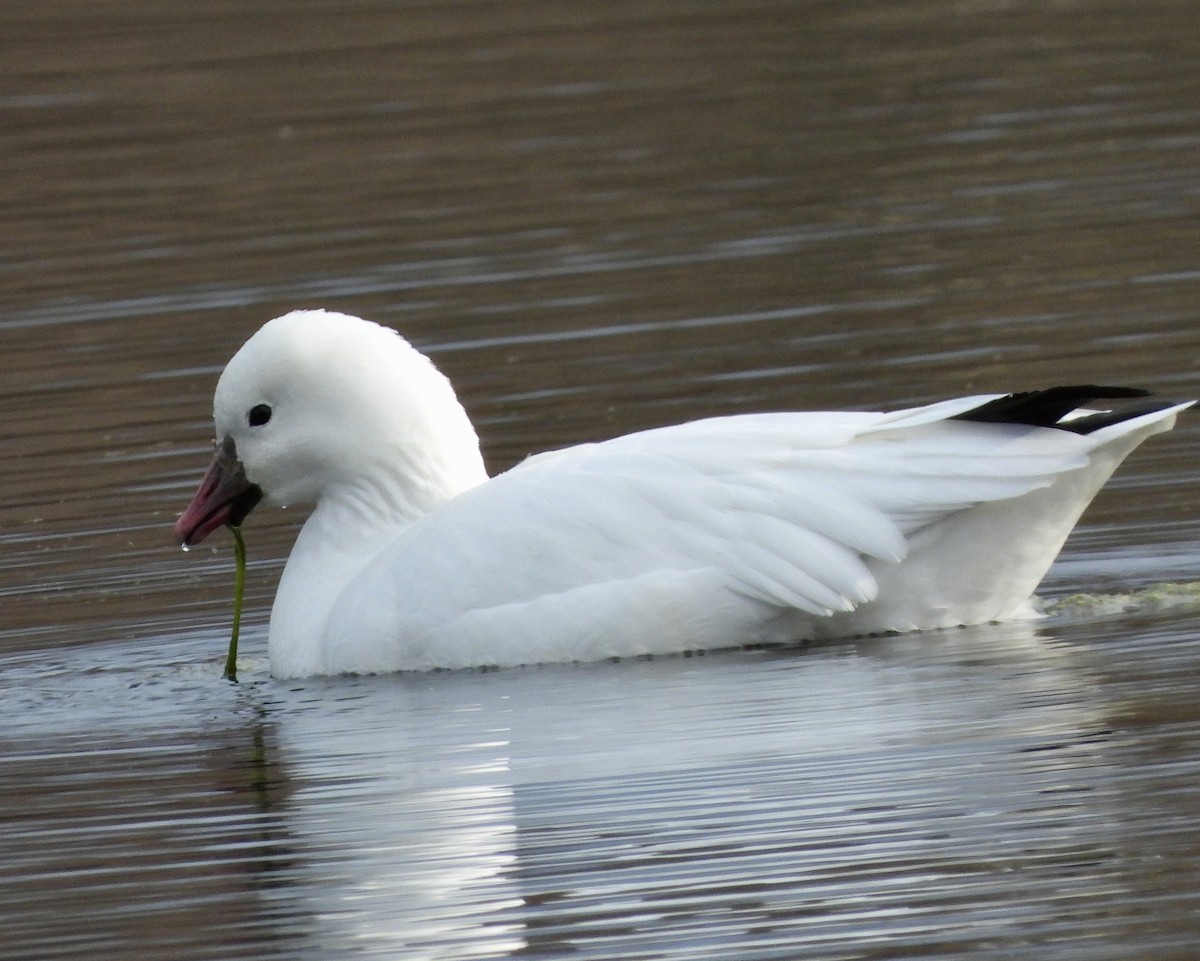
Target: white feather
x,y
719,532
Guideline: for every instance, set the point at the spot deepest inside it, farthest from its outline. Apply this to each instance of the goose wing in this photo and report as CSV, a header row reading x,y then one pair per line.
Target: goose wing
x,y
731,516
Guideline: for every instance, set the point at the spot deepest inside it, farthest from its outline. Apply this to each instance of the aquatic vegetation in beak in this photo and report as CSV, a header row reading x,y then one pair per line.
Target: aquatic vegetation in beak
x,y
239,591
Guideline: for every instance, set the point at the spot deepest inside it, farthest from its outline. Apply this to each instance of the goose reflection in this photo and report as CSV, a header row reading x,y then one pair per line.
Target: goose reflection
x,y
797,797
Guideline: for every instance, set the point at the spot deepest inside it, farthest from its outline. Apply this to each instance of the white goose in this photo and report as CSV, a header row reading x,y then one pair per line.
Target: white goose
x,y
757,528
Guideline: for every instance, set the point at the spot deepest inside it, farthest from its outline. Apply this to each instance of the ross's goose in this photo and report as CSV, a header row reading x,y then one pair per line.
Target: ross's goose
x,y
754,528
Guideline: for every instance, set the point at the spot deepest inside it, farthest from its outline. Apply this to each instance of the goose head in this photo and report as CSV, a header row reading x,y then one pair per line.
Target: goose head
x,y
321,406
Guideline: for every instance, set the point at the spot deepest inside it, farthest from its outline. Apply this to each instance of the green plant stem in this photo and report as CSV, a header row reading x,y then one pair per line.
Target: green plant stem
x,y
239,590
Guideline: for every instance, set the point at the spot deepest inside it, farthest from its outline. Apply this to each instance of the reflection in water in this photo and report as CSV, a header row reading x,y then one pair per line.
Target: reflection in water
x,y
938,794
798,800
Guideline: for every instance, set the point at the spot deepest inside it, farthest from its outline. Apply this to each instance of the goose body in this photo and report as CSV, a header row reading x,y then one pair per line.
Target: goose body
x,y
756,528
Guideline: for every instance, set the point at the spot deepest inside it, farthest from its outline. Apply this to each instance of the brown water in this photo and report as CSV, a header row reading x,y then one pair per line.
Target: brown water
x,y
596,218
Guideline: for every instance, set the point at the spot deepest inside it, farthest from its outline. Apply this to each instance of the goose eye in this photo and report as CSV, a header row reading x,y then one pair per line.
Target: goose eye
x,y
259,415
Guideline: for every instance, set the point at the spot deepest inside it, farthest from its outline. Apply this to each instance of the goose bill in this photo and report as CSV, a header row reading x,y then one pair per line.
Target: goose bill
x,y
225,497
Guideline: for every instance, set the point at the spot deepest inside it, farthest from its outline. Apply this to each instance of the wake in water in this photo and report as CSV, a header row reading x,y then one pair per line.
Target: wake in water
x,y
1178,597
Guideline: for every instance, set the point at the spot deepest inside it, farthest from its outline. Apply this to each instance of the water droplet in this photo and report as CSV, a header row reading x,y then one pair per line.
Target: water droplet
x,y
186,547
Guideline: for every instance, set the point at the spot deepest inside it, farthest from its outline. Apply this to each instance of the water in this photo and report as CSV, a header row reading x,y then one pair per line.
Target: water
x,y
596,220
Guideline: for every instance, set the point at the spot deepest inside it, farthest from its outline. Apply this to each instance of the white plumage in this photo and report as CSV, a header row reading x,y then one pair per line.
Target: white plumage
x,y
727,531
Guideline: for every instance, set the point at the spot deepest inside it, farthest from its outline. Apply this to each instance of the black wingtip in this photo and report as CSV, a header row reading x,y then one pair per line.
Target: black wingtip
x,y
1047,408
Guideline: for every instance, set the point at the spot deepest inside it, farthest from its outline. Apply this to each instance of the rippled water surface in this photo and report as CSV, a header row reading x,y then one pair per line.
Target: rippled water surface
x,y
596,218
